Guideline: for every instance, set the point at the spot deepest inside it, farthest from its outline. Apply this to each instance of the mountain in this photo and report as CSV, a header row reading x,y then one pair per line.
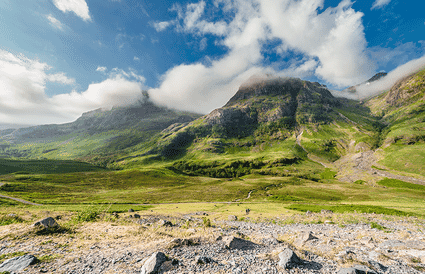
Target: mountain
x,y
268,124
402,111
374,78
275,126
95,131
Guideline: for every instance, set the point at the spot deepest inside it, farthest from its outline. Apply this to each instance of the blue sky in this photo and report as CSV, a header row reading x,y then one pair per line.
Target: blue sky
x,y
59,58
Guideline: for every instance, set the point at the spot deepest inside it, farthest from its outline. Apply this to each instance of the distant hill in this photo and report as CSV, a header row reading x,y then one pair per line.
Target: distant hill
x,y
376,77
106,131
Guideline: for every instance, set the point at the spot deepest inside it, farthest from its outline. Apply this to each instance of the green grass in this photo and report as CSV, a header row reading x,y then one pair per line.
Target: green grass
x,y
343,208
406,158
328,174
8,166
8,219
394,183
377,226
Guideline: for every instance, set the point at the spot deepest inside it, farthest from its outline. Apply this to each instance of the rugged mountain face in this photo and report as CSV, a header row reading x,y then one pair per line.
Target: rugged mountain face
x,y
272,107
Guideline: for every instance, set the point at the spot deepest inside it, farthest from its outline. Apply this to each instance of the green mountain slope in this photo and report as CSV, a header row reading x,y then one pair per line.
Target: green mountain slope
x,y
98,132
268,127
403,112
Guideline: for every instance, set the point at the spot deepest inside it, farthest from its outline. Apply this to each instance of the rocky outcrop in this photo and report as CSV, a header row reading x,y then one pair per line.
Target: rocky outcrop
x,y
17,263
153,264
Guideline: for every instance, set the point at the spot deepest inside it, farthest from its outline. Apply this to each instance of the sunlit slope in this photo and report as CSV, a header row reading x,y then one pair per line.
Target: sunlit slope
x,y
266,128
403,112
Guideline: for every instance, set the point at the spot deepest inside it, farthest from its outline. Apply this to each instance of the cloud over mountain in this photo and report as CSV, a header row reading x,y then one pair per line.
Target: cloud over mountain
x,y
332,41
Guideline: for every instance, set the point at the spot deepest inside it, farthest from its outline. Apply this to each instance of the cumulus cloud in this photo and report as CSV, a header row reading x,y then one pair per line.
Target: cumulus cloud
x,y
332,42
79,7
54,22
23,99
335,36
379,4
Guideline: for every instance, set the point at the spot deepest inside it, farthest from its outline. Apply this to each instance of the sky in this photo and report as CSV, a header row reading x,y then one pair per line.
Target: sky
x,y
60,58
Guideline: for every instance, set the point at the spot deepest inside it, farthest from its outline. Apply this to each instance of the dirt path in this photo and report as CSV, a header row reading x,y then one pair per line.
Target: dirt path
x,y
309,156
17,199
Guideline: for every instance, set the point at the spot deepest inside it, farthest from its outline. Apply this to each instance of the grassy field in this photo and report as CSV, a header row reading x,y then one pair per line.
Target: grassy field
x,y
287,188
8,166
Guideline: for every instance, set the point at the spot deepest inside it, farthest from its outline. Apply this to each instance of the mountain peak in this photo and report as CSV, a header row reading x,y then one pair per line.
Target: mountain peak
x,y
268,85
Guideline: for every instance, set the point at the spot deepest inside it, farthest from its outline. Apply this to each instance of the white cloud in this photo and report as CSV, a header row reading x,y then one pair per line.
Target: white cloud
x,y
23,99
385,83
54,22
79,7
332,42
60,78
203,44
202,88
161,26
379,4
335,37
101,69
137,59
116,91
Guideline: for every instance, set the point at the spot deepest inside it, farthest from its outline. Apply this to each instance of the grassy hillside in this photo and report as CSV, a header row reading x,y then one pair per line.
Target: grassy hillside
x,y
403,112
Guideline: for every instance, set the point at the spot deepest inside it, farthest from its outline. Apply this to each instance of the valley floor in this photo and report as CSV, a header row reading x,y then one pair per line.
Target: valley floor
x,y
197,242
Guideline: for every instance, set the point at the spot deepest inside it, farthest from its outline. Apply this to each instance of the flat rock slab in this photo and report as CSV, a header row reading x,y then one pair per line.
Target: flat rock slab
x,y
18,263
238,243
48,222
153,264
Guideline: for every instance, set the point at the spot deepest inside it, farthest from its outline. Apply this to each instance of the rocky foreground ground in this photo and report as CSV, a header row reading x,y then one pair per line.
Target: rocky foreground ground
x,y
197,243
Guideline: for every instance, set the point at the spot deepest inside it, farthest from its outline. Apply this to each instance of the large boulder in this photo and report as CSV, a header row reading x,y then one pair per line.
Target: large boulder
x,y
17,263
238,243
288,258
47,223
153,264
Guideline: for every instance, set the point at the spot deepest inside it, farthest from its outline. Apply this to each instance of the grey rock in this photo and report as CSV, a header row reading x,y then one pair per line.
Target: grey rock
x,y
164,223
18,263
137,216
357,269
232,218
270,240
247,211
238,243
131,210
378,266
153,264
305,237
203,260
325,211
181,242
48,222
392,244
288,258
